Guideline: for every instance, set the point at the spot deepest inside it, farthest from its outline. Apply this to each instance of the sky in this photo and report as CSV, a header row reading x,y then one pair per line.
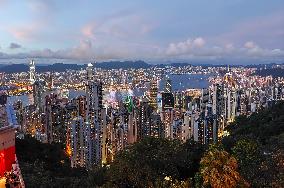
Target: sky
x,y
154,31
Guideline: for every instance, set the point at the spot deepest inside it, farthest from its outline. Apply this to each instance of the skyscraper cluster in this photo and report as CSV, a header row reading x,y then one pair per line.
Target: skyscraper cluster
x,y
93,129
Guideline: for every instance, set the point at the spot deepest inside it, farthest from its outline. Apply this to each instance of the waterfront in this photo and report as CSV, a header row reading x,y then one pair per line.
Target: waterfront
x,y
179,82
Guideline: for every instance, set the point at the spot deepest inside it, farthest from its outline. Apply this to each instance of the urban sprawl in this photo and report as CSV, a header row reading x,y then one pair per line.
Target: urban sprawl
x,y
112,109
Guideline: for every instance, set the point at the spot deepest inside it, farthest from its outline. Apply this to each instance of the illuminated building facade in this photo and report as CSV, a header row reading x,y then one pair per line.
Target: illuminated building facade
x,y
95,120
8,124
153,93
32,72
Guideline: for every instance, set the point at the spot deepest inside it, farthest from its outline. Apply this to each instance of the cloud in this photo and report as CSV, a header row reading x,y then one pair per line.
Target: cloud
x,y
199,42
250,45
197,48
185,47
189,49
26,32
14,45
266,30
121,25
88,30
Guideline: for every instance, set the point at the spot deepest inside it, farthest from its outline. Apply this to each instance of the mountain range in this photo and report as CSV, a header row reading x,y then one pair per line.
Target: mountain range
x,y
60,67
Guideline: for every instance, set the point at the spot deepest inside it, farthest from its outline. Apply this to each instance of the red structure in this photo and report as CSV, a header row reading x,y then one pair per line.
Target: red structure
x,y
7,149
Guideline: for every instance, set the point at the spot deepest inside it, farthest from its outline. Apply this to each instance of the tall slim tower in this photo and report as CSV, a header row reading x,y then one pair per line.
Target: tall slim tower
x,y
94,120
168,85
153,93
32,71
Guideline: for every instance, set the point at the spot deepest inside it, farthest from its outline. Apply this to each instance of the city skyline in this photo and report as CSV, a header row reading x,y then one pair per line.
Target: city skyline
x,y
230,32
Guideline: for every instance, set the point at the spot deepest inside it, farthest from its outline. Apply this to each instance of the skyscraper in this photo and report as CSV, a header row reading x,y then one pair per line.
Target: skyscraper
x,y
168,85
38,92
90,71
77,137
32,71
153,93
94,120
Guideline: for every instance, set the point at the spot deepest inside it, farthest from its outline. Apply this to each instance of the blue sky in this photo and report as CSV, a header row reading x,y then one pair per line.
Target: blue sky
x,y
160,30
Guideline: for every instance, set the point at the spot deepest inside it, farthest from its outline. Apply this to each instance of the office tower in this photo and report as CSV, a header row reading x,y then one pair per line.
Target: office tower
x,y
38,94
217,100
178,99
156,126
103,137
167,117
186,127
32,71
234,104
168,85
54,120
89,71
80,102
153,93
210,130
77,142
145,111
132,129
204,99
217,110
94,119
167,101
197,128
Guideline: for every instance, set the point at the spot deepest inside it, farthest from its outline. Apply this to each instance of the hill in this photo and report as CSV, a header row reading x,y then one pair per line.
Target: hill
x,y
60,67
257,142
275,72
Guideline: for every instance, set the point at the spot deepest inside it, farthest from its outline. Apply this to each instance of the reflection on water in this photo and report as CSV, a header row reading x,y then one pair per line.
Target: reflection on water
x,y
179,82
186,81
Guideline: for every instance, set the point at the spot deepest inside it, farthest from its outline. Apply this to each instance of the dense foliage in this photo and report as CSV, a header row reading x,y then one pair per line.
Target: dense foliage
x,y
46,165
257,142
220,169
153,163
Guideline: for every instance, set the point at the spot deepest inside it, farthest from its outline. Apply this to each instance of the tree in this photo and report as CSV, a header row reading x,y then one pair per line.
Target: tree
x,y
249,157
147,161
219,169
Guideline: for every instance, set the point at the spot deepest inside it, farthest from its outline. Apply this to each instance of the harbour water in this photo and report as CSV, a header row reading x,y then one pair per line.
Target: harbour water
x,y
179,82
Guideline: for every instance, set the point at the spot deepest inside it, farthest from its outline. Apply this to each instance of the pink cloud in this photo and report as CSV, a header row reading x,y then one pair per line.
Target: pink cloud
x,y
87,31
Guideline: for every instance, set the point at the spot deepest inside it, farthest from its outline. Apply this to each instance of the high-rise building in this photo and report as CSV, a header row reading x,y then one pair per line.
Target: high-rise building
x,y
32,71
167,101
167,117
90,71
55,119
168,85
77,142
94,120
153,93
38,94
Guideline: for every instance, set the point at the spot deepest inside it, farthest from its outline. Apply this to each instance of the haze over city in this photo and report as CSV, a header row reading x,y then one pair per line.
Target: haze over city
x,y
239,32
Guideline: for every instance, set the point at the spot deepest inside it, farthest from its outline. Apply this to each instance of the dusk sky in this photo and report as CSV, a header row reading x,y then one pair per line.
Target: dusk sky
x,y
160,30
